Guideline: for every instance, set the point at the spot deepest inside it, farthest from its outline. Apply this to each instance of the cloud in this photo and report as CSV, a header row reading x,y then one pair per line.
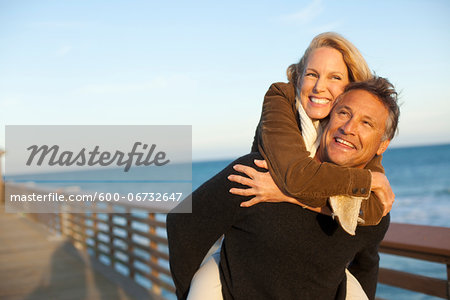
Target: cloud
x,y
182,82
59,24
63,50
306,15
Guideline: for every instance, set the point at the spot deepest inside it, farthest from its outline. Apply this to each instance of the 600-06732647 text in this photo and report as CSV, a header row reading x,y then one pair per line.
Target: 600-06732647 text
x,y
102,197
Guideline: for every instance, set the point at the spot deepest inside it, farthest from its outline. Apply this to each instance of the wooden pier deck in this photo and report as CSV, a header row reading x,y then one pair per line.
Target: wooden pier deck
x,y
35,264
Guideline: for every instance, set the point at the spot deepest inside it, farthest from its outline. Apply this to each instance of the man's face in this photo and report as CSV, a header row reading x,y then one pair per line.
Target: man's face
x,y
354,133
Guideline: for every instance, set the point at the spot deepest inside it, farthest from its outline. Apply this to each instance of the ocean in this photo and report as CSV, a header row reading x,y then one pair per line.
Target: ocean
x,y
420,178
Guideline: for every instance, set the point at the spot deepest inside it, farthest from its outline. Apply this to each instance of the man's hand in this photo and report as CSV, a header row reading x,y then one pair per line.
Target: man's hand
x,y
382,188
261,185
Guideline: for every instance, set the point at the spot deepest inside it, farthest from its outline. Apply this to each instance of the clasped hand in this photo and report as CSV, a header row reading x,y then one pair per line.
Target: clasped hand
x,y
261,185
264,189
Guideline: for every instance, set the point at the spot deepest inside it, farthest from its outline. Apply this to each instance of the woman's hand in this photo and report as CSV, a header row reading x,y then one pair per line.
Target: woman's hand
x,y
382,188
261,185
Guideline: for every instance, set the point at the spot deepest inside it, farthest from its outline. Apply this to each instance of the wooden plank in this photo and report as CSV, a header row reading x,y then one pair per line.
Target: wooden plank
x,y
149,250
415,254
148,221
145,248
128,284
128,216
130,249
431,240
157,281
418,283
152,236
151,265
131,267
99,251
36,265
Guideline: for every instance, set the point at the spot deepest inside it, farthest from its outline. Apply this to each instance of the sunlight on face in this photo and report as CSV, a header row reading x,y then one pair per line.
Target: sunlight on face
x,y
354,133
323,80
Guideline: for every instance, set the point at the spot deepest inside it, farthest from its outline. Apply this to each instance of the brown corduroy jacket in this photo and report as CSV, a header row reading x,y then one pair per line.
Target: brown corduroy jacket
x,y
278,138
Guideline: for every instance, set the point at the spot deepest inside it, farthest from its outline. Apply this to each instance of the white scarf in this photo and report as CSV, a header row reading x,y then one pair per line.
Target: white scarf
x,y
311,130
345,208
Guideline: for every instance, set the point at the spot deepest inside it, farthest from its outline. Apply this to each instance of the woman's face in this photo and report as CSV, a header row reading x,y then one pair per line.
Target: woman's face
x,y
323,80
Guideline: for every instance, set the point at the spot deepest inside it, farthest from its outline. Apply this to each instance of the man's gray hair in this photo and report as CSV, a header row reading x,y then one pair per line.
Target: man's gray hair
x,y
385,92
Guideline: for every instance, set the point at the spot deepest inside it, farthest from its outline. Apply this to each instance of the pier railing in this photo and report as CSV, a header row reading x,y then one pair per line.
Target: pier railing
x,y
134,244
130,240
427,243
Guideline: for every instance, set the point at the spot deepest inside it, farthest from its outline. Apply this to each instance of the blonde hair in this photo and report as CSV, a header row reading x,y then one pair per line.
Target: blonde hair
x,y
357,67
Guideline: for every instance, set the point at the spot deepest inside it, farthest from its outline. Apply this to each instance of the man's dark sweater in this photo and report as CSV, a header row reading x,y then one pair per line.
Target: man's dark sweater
x,y
270,250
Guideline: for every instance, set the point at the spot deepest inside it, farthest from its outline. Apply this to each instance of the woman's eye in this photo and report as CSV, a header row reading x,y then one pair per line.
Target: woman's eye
x,y
367,123
311,74
336,77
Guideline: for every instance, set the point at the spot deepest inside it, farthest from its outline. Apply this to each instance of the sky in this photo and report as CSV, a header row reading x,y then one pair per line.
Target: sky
x,y
208,63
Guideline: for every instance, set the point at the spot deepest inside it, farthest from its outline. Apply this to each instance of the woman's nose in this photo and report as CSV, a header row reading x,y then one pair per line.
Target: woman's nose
x,y
320,85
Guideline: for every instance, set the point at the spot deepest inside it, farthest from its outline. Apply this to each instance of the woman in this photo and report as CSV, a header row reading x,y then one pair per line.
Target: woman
x,y
284,147
329,63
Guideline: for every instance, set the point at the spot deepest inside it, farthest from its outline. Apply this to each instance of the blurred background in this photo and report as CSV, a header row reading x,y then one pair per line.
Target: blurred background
x,y
208,64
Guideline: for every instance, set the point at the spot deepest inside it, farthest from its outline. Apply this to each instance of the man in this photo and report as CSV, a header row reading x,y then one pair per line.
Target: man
x,y
282,251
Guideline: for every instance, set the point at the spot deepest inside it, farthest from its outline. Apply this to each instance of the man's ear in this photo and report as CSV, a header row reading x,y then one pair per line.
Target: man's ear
x,y
383,147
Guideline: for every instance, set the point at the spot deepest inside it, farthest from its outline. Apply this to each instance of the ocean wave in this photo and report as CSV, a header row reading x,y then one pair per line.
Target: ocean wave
x,y
442,192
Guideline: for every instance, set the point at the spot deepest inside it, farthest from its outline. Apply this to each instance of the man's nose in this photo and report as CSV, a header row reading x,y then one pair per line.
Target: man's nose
x,y
349,127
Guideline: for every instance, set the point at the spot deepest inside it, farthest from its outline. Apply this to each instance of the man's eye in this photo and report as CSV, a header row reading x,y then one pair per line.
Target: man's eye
x,y
367,123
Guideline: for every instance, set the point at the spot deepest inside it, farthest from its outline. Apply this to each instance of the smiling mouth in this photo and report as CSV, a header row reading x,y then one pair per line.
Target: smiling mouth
x,y
344,142
319,100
